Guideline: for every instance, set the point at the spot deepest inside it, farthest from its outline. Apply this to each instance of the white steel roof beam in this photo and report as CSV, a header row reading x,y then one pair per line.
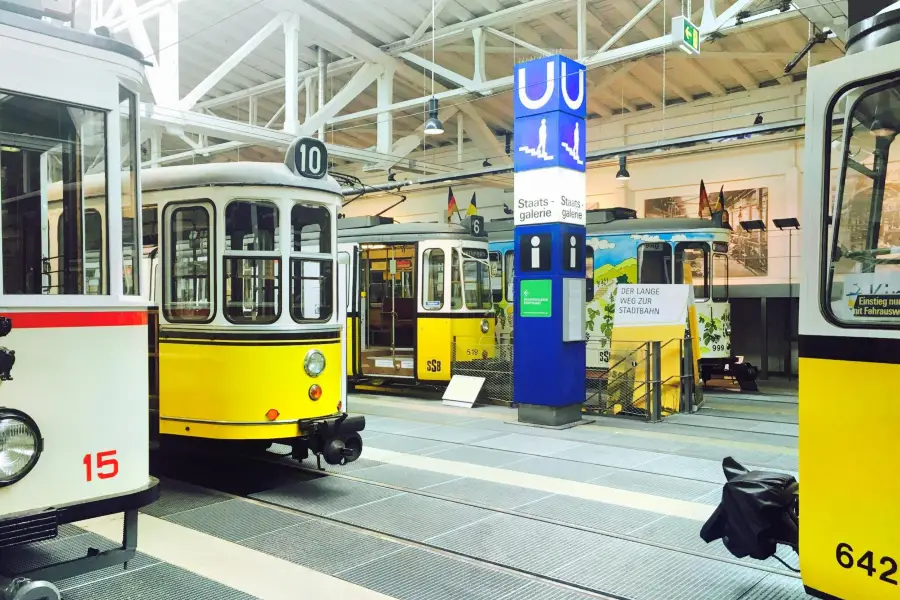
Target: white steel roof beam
x,y
481,135
629,25
518,42
426,22
448,74
141,41
232,61
359,82
407,144
167,54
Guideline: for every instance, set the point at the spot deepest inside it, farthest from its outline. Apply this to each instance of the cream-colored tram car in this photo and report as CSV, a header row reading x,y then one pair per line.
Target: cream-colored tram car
x,y
242,260
73,374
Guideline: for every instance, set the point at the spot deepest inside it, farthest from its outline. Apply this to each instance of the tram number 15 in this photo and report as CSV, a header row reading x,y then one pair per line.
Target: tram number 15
x,y
106,467
845,558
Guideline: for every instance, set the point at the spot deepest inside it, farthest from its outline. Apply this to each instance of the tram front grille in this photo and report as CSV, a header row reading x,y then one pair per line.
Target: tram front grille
x,y
25,530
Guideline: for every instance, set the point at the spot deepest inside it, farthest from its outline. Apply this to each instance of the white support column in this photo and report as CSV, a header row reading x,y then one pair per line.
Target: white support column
x,y
460,137
291,74
323,75
96,13
385,134
311,105
708,20
478,38
168,53
581,16
254,110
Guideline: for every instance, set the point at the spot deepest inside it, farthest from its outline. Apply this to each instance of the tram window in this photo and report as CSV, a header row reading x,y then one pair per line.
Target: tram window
x,y
311,289
251,225
496,277
252,291
695,257
456,300
476,278
434,279
655,263
47,152
188,298
150,226
720,278
863,278
131,256
508,262
311,228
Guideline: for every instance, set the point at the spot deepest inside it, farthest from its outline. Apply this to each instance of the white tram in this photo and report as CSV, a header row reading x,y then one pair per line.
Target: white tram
x,y
74,379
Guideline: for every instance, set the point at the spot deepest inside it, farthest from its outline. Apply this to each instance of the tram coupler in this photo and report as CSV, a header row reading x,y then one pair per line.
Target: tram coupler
x,y
336,440
22,588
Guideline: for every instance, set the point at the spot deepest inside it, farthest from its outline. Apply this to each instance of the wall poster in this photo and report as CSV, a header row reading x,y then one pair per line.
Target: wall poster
x,y
749,250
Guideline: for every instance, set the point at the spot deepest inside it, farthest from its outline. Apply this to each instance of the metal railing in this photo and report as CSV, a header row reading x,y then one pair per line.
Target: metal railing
x,y
629,385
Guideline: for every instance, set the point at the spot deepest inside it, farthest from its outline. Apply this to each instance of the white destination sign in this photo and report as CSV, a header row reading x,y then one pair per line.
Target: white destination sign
x,y
551,195
648,304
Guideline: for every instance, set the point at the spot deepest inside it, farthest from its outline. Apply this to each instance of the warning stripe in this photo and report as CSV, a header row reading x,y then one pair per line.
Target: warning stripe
x,y
36,320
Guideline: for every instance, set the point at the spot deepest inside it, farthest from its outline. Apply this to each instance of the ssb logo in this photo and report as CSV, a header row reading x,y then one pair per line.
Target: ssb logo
x,y
554,83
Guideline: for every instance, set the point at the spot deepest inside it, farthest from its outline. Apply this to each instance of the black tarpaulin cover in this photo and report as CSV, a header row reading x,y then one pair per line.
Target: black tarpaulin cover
x,y
758,511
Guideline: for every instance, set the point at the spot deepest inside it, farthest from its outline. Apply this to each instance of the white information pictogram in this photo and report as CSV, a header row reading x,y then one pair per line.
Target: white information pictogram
x,y
573,149
535,253
541,150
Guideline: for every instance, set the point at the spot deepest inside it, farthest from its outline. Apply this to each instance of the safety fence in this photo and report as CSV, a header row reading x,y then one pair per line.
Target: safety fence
x,y
646,380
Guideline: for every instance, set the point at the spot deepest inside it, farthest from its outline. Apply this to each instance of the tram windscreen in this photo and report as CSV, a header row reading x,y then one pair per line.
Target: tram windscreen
x,y
655,263
476,279
693,257
48,153
863,279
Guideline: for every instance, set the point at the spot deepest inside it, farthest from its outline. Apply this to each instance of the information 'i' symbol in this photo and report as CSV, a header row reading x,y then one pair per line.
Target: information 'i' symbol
x,y
572,260
535,252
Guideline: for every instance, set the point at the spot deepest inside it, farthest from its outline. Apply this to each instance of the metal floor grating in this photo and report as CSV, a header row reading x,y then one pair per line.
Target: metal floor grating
x,y
590,513
657,485
453,433
488,493
525,444
326,495
484,457
543,591
648,573
48,552
777,587
406,477
698,469
140,561
416,574
176,496
416,518
166,581
322,546
402,443
559,468
235,520
610,456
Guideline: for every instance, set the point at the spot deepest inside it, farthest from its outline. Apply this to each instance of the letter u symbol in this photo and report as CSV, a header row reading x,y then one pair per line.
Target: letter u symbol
x,y
526,101
576,103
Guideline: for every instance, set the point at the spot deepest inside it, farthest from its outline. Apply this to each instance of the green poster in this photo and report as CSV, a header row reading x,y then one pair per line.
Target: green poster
x,y
535,298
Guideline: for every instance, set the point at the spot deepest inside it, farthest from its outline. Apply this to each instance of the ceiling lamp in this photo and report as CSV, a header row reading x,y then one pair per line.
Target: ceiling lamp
x,y
623,170
433,125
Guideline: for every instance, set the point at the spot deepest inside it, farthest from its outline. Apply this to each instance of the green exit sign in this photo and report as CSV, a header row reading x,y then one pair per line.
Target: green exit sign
x,y
686,35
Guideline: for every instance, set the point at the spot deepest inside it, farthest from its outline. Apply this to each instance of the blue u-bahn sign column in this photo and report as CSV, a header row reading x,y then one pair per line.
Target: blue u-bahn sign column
x,y
549,186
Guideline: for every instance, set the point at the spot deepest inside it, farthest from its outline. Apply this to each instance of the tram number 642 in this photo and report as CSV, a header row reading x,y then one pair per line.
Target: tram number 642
x,y
844,555
107,466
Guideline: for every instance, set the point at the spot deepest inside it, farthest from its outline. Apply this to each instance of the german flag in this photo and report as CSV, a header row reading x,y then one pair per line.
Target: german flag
x,y
704,200
451,204
473,209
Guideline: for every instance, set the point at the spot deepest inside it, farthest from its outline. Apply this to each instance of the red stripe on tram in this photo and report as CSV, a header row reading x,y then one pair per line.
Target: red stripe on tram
x,y
37,320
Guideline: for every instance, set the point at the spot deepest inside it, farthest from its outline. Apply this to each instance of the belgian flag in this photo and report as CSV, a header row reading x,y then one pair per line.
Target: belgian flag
x,y
473,209
451,204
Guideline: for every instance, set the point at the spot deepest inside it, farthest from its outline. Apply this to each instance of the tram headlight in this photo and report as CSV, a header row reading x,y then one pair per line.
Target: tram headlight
x,y
485,326
314,363
20,445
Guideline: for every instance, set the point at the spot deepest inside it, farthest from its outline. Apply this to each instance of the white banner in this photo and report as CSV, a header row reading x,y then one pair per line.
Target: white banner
x,y
651,304
551,195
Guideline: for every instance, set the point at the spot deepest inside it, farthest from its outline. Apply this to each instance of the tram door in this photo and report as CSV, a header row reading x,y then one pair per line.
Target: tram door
x,y
388,310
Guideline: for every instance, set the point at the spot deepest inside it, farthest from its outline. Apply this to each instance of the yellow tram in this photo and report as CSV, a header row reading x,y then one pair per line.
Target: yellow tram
x,y
850,319
250,336
420,298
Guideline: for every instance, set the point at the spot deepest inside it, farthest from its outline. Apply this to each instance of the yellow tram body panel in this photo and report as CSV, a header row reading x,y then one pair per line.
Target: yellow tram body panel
x,y
224,388
434,336
848,547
